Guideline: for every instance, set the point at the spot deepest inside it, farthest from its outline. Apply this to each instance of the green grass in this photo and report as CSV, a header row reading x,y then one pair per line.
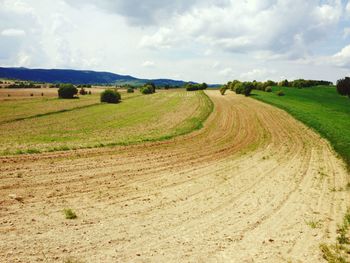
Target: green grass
x,y
21,109
69,214
321,108
339,251
139,118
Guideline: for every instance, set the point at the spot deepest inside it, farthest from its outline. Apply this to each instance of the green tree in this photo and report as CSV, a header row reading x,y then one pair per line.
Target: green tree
x,y
110,96
343,86
67,91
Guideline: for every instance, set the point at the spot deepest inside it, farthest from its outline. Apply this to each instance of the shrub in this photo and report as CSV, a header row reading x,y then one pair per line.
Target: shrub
x,y
151,86
268,89
194,87
203,86
31,94
258,85
110,96
67,91
269,83
69,213
146,90
280,93
284,83
231,85
191,87
343,86
82,91
130,90
247,88
302,83
244,88
239,88
223,90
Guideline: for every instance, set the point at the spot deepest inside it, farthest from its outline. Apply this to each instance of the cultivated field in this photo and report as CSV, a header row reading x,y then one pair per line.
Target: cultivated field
x,y
320,108
41,124
253,185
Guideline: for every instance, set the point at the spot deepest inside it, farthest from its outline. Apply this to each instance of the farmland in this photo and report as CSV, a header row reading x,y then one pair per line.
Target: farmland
x,y
51,124
320,108
253,184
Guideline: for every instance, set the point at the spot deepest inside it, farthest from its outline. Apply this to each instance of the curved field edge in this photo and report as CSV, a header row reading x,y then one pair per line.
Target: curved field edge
x,y
190,124
315,113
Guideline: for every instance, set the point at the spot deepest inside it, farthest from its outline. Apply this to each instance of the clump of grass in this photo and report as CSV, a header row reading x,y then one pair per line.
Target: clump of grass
x,y
348,186
339,253
332,254
72,260
280,93
69,213
313,224
32,151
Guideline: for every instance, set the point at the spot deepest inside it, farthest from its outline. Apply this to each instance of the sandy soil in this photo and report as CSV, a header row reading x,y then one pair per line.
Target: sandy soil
x,y
242,189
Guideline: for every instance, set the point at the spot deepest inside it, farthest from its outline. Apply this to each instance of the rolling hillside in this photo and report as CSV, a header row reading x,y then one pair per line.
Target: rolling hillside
x,y
79,77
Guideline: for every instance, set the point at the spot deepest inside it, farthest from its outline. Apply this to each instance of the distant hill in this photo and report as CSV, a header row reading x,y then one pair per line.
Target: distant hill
x,y
79,77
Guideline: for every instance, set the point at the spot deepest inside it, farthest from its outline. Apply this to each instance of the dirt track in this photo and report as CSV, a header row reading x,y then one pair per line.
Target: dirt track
x,y
242,189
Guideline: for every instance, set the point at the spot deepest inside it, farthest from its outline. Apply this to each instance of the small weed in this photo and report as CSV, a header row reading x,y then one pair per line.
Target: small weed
x,y
69,213
313,224
280,93
347,218
332,254
322,175
72,260
32,151
339,252
348,186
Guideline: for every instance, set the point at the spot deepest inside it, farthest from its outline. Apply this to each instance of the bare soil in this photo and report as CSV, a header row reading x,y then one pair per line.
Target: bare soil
x,y
242,189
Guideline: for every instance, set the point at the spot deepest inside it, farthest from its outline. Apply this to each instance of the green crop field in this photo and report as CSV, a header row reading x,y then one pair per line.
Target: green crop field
x,y
40,125
321,108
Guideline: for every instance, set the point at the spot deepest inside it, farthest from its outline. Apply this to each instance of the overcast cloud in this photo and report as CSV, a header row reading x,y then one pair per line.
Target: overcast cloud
x,y
200,40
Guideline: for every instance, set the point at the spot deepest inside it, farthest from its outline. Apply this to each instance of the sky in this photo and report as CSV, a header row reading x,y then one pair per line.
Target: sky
x,y
211,41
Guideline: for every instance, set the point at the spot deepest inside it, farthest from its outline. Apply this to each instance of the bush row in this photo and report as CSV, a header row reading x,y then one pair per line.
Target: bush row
x,y
194,87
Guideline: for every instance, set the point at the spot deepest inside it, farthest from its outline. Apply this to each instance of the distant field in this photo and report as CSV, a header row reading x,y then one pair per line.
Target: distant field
x,y
50,124
21,105
320,108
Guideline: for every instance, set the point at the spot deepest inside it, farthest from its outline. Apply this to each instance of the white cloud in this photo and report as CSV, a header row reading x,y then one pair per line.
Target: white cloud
x,y
199,40
12,32
227,72
257,74
148,64
346,32
246,26
164,38
342,58
347,8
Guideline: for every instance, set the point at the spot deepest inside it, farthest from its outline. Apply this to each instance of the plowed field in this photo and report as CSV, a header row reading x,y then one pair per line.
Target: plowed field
x,y
247,187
